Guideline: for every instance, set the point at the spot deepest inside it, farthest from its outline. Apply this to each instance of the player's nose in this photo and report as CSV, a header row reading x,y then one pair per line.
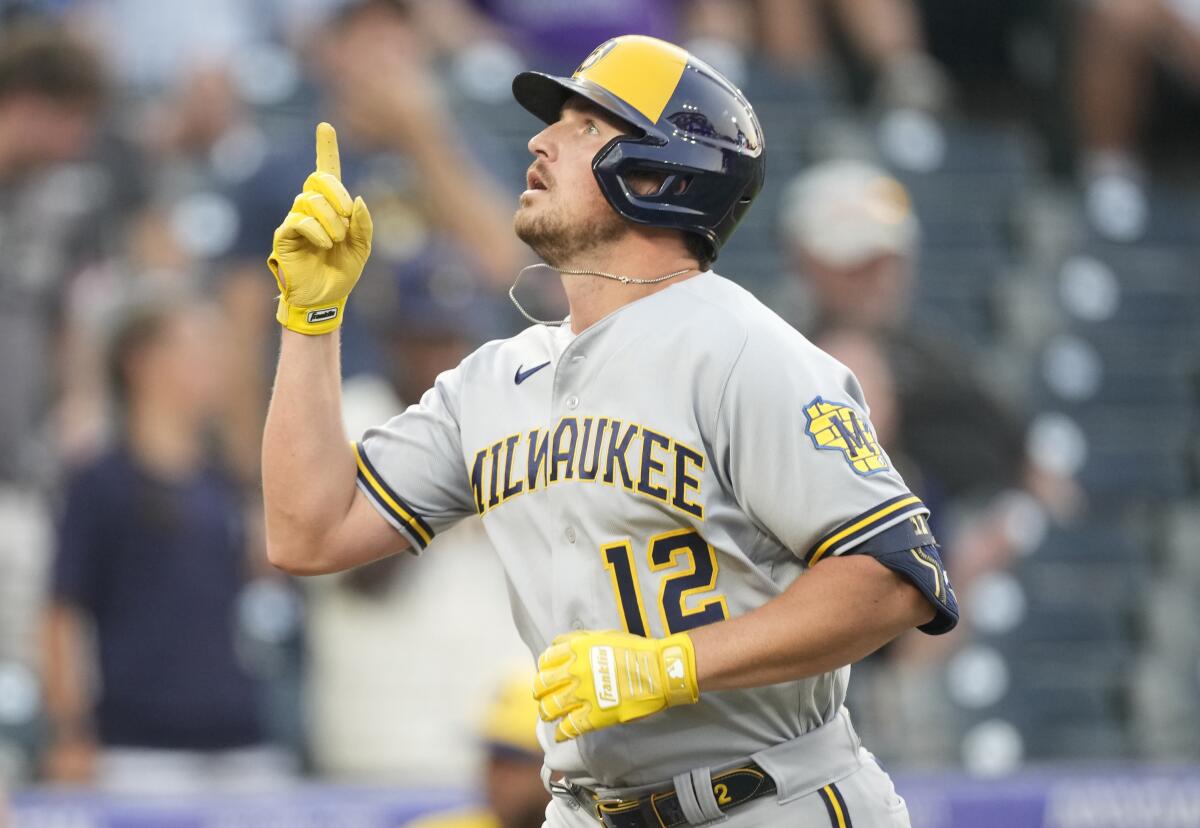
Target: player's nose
x,y
543,144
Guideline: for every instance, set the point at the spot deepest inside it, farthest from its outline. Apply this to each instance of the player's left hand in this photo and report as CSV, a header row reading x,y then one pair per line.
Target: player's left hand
x,y
590,680
320,250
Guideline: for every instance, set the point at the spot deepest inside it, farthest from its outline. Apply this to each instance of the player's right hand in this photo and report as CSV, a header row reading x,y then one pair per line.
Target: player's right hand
x,y
320,249
588,680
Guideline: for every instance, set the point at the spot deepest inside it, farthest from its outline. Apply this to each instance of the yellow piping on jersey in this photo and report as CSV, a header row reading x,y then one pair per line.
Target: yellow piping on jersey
x,y
382,493
850,530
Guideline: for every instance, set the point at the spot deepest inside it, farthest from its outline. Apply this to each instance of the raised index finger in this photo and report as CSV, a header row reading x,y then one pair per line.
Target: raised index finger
x,y
328,160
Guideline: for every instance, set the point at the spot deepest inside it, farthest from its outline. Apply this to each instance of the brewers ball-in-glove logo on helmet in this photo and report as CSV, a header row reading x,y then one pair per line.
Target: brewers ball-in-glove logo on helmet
x,y
691,126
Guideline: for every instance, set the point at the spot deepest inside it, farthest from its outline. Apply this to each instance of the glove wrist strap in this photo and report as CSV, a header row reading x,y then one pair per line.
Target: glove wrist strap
x,y
310,321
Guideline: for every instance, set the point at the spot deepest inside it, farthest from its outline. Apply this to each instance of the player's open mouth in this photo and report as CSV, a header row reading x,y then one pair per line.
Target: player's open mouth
x,y
533,181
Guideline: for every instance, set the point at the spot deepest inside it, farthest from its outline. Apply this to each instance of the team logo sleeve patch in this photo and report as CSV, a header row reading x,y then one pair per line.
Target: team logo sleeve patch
x,y
835,426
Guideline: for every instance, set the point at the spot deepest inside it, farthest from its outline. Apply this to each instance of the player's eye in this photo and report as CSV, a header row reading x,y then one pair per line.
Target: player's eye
x,y
591,128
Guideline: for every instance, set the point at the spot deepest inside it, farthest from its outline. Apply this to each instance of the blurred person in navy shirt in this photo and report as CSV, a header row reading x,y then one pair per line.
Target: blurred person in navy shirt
x,y
152,554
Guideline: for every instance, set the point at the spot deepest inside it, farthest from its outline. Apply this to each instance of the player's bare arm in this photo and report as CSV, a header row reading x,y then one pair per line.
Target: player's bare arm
x,y
842,610
316,519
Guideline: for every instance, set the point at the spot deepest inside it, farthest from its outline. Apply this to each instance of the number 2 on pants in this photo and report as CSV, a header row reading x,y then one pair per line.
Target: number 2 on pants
x,y
683,550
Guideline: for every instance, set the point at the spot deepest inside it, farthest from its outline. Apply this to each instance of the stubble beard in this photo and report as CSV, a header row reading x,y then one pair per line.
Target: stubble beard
x,y
563,243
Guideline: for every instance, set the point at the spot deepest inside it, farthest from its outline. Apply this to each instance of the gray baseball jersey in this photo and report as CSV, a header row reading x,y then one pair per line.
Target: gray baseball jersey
x,y
677,463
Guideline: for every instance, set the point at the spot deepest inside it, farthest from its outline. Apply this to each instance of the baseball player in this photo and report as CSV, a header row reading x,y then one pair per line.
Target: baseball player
x,y
698,527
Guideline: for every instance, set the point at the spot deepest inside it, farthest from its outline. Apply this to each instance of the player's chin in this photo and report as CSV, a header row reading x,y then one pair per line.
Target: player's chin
x,y
528,222
522,215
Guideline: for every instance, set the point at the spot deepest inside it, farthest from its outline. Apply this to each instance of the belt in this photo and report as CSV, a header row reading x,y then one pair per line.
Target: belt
x,y
661,809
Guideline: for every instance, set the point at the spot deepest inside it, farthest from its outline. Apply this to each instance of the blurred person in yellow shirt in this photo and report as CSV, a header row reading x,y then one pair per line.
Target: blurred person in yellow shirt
x,y
514,796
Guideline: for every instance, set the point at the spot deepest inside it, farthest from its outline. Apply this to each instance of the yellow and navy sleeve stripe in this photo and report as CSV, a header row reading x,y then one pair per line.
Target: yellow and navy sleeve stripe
x,y
402,515
869,523
835,806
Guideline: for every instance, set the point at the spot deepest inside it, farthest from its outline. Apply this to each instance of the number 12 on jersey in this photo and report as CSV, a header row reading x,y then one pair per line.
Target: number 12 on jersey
x,y
696,561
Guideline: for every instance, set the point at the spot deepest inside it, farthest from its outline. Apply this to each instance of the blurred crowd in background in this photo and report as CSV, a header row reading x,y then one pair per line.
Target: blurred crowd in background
x,y
986,209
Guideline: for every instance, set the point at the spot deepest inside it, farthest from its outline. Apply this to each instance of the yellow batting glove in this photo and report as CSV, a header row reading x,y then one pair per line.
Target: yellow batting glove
x,y
320,249
590,680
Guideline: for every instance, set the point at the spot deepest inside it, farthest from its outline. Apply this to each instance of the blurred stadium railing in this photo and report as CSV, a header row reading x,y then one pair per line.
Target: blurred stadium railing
x,y
1116,798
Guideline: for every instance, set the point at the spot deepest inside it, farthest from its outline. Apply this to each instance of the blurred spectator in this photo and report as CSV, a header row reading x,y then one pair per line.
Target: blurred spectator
x,y
438,314
153,45
152,552
1121,45
897,699
374,714
52,91
853,239
1000,56
202,127
884,35
514,796
403,152
201,141
887,36
386,704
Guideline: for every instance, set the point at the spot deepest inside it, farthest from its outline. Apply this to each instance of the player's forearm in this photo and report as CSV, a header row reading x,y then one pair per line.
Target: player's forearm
x,y
833,615
308,468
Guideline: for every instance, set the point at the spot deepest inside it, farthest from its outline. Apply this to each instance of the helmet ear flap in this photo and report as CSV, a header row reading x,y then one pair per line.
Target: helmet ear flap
x,y
688,187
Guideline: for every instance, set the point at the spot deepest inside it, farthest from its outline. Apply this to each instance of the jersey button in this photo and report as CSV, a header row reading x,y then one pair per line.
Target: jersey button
x,y
572,402
569,534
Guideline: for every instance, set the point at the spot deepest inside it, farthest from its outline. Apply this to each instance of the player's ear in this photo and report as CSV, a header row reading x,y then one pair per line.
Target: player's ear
x,y
644,183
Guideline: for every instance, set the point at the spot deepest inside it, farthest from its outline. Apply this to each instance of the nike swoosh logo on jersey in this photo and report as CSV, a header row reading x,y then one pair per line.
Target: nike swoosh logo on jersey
x,y
521,376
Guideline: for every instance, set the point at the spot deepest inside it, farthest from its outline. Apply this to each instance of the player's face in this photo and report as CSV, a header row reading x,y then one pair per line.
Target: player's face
x,y
563,214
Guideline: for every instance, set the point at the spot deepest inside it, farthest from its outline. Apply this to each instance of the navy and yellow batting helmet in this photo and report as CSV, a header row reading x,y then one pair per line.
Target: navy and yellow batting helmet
x,y
691,126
